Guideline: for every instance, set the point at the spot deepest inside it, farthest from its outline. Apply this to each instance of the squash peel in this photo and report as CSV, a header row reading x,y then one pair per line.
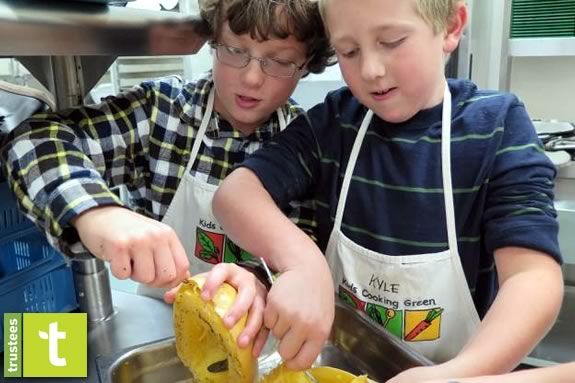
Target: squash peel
x,y
202,338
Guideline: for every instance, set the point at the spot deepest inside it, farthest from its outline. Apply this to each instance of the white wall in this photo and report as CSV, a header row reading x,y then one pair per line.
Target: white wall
x,y
5,67
313,88
546,85
487,28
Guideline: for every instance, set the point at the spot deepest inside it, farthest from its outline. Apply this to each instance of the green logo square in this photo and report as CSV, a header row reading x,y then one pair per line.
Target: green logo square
x,y
55,345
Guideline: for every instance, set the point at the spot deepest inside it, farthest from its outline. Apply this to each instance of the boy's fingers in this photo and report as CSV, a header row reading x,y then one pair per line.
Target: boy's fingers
x,y
246,295
305,357
121,265
181,262
260,341
143,269
270,316
254,322
280,328
290,344
214,279
165,267
170,295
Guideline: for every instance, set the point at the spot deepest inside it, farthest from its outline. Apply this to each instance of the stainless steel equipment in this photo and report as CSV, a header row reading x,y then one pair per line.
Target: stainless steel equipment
x,y
93,291
355,344
64,28
67,46
557,346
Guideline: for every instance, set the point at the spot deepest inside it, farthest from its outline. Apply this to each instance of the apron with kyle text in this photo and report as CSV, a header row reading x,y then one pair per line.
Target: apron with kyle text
x,y
423,299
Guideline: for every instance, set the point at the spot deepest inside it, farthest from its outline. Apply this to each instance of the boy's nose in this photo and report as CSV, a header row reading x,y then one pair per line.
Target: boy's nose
x,y
372,67
252,75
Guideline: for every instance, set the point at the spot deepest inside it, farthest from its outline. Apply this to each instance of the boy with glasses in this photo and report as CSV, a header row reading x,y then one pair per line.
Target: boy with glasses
x,y
170,144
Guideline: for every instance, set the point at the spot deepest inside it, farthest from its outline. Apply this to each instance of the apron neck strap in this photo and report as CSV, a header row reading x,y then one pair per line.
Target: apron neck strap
x,y
349,169
281,119
202,130
206,118
445,169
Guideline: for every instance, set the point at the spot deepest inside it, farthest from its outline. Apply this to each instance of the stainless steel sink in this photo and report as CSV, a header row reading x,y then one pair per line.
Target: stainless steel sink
x,y
355,345
558,346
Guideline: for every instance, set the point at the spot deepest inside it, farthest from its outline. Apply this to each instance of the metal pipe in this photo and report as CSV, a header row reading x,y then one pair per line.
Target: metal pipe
x,y
69,88
93,289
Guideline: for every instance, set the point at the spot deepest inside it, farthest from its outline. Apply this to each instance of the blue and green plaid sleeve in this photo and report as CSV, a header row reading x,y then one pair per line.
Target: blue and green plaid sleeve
x,y
61,164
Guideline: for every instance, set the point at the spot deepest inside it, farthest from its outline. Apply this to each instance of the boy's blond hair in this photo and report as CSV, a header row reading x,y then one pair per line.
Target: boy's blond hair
x,y
436,13
265,19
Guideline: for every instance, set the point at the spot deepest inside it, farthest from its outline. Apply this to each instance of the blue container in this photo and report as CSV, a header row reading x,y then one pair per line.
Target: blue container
x,y
33,275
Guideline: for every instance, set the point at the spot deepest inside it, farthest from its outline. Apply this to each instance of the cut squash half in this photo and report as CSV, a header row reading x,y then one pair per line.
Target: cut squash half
x,y
202,339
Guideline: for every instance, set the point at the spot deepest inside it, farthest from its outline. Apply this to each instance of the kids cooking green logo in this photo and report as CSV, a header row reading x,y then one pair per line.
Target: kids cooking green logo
x,y
45,345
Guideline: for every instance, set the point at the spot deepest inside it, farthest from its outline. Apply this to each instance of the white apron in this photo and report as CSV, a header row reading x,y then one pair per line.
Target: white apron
x,y
423,299
190,215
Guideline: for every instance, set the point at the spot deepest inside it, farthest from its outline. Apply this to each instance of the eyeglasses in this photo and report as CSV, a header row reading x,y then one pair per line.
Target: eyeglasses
x,y
239,58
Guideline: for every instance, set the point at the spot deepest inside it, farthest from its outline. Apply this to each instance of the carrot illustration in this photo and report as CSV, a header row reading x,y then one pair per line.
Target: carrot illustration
x,y
421,326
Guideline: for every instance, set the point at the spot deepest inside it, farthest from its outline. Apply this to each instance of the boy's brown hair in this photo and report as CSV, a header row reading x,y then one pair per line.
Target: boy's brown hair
x,y
436,13
264,19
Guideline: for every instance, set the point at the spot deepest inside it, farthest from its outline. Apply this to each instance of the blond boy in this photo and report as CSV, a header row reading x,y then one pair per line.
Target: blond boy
x,y
434,203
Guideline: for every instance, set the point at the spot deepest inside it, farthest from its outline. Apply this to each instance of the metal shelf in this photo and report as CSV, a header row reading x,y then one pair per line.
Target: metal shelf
x,y
67,45
542,47
60,28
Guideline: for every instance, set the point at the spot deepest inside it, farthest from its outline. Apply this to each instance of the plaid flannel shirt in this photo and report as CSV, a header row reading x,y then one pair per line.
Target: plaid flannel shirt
x,y
61,164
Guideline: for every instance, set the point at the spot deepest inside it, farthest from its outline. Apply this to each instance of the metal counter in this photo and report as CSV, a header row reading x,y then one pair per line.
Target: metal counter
x,y
356,344
558,345
142,325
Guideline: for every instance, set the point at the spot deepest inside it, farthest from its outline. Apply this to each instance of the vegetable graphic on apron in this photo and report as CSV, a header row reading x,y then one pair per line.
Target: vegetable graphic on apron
x,y
234,254
208,246
349,298
423,329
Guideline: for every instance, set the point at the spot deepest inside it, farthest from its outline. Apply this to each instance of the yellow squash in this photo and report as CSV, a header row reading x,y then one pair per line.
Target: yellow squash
x,y
335,375
281,374
202,338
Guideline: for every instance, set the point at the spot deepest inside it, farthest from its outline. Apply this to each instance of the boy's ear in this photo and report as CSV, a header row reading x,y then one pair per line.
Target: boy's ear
x,y
455,27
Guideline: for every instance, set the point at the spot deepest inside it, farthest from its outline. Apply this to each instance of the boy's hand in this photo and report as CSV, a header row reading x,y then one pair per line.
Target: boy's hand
x,y
170,295
300,312
251,299
414,375
137,247
436,373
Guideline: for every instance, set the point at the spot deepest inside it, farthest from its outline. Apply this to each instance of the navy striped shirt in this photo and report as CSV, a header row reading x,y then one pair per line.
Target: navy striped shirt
x,y
502,180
